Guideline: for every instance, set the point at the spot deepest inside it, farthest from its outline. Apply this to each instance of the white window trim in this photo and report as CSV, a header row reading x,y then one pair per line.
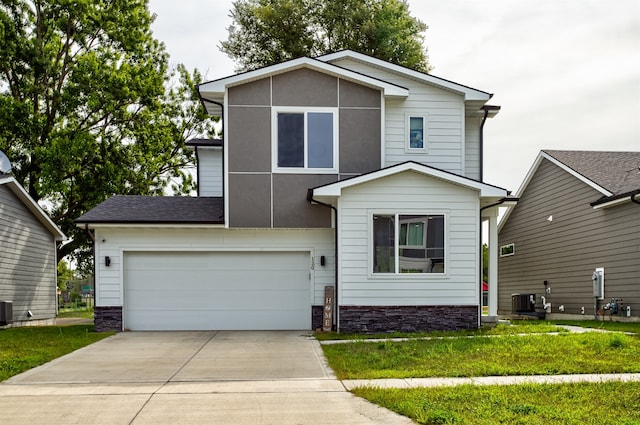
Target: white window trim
x,y
397,275
425,133
275,110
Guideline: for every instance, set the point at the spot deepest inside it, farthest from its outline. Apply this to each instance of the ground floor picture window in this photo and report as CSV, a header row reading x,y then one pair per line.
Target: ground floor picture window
x,y
408,243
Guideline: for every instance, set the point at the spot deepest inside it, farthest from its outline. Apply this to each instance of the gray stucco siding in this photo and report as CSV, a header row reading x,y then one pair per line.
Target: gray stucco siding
x,y
256,93
250,201
290,206
354,95
248,130
359,140
27,262
304,87
565,250
249,133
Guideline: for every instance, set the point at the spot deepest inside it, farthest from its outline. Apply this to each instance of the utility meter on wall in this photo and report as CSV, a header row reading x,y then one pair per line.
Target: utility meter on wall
x,y
598,283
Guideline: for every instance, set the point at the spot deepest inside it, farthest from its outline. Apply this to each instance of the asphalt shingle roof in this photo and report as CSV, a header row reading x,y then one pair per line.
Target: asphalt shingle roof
x,y
618,172
157,209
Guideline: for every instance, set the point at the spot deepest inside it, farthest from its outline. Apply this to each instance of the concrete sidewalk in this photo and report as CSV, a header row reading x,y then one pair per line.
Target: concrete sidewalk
x,y
188,378
489,380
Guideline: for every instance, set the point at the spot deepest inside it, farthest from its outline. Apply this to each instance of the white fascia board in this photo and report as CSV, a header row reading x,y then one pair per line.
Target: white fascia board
x,y
335,189
33,206
615,202
215,90
468,92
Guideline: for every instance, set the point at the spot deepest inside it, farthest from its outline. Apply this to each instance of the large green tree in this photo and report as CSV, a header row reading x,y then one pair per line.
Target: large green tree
x,y
265,32
89,107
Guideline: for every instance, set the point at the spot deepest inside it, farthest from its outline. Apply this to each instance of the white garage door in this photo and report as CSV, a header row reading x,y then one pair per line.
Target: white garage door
x,y
217,290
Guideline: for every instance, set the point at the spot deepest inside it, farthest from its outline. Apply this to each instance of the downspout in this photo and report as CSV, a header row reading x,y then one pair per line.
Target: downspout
x,y
198,169
95,263
335,241
633,198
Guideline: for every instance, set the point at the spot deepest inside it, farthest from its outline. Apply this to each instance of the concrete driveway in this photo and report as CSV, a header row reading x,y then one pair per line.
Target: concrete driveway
x,y
188,378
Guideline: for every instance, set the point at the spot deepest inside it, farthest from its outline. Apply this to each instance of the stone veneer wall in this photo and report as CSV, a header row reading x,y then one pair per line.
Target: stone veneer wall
x,y
107,319
316,317
407,318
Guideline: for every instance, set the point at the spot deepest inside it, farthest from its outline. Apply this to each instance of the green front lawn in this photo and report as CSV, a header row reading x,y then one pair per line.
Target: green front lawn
x,y
27,347
487,356
530,404
500,352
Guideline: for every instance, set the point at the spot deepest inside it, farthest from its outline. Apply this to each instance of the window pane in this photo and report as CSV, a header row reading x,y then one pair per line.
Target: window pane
x,y
416,132
422,250
320,139
383,244
290,140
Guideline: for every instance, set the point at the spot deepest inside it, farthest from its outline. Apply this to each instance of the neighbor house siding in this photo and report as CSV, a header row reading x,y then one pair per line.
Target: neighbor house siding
x,y
27,261
209,171
565,250
113,242
445,116
408,193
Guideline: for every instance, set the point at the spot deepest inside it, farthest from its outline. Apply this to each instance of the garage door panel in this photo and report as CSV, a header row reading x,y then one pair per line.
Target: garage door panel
x,y
217,290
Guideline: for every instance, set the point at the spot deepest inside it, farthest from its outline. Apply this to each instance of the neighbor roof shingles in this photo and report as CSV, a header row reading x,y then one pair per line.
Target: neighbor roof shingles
x,y
157,209
617,172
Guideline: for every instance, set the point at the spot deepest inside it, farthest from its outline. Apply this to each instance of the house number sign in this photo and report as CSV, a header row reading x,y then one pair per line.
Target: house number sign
x,y
327,313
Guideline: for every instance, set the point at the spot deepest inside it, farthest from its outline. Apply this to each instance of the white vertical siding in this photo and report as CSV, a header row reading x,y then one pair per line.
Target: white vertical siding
x,y
209,171
404,193
472,147
446,126
113,242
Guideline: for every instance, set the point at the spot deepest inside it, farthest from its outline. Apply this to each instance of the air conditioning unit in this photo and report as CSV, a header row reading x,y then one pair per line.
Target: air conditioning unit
x,y
523,303
6,313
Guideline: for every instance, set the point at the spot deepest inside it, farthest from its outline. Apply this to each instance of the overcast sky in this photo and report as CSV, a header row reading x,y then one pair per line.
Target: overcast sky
x,y
565,72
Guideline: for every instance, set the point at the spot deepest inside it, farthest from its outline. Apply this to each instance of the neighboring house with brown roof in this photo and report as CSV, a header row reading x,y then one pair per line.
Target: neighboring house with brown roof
x,y
28,265
343,171
578,211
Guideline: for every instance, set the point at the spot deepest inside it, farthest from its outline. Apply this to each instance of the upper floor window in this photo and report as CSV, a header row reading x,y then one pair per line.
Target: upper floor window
x,y
416,133
305,139
408,243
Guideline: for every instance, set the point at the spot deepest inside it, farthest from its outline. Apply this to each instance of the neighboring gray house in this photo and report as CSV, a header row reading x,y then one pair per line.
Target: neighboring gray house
x,y
343,171
28,263
578,211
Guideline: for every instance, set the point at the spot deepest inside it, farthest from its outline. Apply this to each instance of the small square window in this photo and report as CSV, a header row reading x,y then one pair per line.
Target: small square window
x,y
507,250
416,133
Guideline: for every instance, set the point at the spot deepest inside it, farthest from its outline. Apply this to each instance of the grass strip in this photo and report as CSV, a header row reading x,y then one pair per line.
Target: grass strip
x,y
27,347
499,356
531,404
501,329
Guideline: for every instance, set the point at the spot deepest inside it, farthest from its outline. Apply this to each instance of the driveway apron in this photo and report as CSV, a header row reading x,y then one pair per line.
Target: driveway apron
x,y
227,377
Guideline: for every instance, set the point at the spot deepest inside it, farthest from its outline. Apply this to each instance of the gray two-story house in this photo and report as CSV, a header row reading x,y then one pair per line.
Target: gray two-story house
x,y
342,171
